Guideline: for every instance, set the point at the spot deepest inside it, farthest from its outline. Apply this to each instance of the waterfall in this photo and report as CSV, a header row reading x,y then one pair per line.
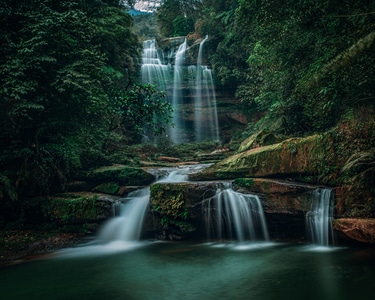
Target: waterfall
x,y
198,108
152,69
176,132
123,232
232,215
319,218
212,125
128,225
206,125
198,93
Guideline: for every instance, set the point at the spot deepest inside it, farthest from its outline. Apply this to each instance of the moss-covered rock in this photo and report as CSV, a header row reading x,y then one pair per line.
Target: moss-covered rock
x,y
111,188
121,175
258,139
67,209
176,208
293,157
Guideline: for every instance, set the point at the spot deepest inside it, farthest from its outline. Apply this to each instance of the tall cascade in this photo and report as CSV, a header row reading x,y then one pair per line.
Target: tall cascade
x,y
189,88
205,114
319,218
176,132
234,216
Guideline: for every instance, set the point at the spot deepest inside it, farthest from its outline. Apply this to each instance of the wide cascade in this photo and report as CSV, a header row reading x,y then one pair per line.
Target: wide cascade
x,y
234,216
153,70
188,87
319,218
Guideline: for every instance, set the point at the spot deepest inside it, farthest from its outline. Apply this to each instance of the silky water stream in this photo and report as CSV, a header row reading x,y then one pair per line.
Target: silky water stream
x,y
119,266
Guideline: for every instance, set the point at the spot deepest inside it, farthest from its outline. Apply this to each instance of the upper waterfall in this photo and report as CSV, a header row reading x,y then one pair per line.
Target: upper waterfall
x,y
189,87
152,69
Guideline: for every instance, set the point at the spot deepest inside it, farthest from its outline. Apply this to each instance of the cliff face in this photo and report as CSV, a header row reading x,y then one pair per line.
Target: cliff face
x,y
343,159
340,158
180,210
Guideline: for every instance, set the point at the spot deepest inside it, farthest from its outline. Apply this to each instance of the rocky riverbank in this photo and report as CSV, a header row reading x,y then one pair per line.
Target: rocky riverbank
x,y
18,246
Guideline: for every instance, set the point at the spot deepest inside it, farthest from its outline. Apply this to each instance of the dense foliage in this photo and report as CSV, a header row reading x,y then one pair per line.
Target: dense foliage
x,y
66,78
300,68
67,68
176,17
303,64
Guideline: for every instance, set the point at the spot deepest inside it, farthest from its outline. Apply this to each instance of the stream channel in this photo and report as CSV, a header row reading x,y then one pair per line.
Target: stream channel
x,y
149,269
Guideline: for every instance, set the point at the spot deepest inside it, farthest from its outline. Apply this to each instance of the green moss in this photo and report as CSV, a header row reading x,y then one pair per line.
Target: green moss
x,y
244,182
169,202
64,209
291,147
70,210
265,185
122,175
110,188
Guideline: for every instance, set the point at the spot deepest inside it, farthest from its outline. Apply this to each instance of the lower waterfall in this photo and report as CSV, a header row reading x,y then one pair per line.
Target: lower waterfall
x,y
319,218
128,225
234,216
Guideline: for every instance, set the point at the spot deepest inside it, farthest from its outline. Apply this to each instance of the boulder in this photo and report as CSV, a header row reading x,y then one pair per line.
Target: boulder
x,y
68,209
122,175
177,208
258,139
333,159
294,157
354,229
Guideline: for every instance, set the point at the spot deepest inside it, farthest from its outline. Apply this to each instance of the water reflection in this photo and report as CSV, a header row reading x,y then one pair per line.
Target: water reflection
x,y
167,270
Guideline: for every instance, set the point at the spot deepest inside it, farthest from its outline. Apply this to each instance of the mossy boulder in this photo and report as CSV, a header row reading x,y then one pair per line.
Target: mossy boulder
x,y
67,209
290,158
177,210
111,188
258,139
122,175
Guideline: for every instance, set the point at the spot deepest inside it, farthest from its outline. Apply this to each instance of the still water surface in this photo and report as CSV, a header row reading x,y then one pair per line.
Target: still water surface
x,y
162,270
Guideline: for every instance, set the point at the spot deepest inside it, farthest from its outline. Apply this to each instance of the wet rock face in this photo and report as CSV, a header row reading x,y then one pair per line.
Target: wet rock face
x,y
278,197
177,210
178,214
285,204
178,206
121,175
